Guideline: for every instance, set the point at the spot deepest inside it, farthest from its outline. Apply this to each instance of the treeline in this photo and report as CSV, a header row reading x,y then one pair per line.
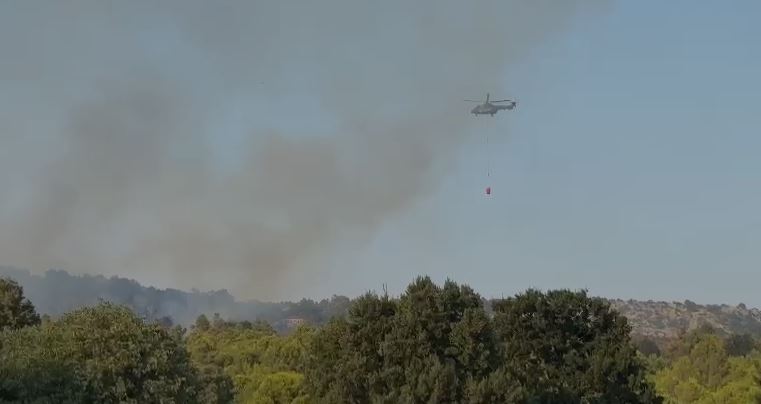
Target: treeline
x,y
433,344
57,292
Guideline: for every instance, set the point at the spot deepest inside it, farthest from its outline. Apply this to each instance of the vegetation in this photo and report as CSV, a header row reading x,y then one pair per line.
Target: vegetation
x,y
249,361
58,292
431,344
436,344
16,311
701,370
100,354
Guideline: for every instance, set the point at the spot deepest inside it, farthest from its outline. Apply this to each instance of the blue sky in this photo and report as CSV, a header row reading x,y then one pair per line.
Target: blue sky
x,y
629,167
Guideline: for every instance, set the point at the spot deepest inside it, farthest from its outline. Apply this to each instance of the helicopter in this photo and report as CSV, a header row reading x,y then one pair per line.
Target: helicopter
x,y
488,107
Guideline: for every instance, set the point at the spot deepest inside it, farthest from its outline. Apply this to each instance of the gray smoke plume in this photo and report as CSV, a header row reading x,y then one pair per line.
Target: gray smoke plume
x,y
227,143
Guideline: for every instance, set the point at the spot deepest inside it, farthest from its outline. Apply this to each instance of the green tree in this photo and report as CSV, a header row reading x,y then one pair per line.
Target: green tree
x,y
441,337
215,386
422,347
347,356
564,346
686,340
202,323
706,373
250,363
437,344
741,384
498,387
102,354
647,346
276,388
739,344
16,311
36,367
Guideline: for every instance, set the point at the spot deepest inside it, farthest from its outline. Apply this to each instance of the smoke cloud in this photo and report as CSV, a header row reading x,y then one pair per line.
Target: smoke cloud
x,y
229,143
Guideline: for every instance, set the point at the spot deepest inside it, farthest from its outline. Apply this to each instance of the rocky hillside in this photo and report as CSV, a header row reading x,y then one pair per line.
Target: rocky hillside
x,y
660,320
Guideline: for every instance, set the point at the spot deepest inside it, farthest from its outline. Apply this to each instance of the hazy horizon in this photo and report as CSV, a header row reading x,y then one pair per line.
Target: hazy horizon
x,y
295,150
379,290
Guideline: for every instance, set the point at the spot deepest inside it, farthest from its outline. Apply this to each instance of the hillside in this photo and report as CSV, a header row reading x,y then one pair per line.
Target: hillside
x,y
56,292
666,319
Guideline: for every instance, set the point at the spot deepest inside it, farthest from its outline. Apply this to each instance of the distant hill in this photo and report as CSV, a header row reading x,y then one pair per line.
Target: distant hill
x,y
662,320
56,292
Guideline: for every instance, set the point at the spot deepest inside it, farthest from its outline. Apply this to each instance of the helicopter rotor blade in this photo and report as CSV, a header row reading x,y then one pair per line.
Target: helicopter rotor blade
x,y
504,101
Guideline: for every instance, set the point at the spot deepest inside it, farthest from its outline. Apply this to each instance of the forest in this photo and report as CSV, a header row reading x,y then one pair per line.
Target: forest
x,y
431,344
56,292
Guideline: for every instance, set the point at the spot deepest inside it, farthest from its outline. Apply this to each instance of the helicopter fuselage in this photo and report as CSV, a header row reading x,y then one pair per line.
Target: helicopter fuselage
x,y
490,109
